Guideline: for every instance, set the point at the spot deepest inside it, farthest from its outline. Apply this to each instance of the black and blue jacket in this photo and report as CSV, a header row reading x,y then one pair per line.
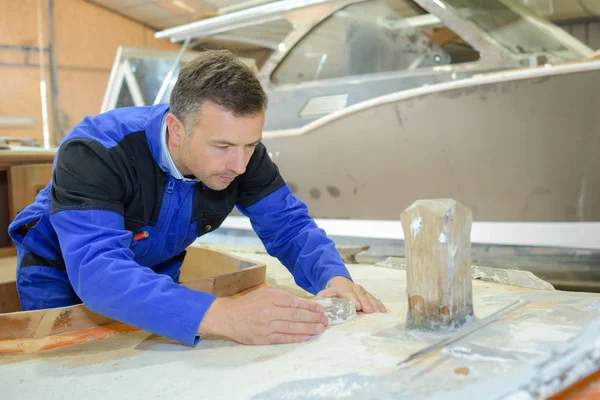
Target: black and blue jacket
x,y
112,226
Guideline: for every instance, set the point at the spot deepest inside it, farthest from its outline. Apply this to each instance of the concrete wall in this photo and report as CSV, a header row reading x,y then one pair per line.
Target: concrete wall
x,y
86,38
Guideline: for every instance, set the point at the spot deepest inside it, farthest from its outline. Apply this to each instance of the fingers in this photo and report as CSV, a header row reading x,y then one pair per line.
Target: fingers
x,y
373,304
331,292
369,303
381,307
298,315
346,294
355,299
287,300
276,316
297,328
363,300
293,325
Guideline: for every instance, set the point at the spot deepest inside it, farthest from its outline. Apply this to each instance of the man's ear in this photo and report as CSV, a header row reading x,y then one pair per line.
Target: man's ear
x,y
175,128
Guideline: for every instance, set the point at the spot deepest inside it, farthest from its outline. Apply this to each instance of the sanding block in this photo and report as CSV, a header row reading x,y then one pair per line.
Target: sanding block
x,y
337,310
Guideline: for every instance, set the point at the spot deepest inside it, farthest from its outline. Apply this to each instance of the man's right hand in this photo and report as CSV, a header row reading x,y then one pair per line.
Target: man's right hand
x,y
266,316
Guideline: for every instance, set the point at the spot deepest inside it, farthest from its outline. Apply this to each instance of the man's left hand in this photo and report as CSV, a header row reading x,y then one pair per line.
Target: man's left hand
x,y
342,287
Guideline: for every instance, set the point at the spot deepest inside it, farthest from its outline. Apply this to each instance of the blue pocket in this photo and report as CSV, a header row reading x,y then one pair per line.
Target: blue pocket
x,y
141,242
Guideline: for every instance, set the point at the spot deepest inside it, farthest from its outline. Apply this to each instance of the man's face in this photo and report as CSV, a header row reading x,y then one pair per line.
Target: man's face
x,y
219,146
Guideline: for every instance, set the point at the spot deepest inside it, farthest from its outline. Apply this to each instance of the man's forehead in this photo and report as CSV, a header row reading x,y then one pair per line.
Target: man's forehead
x,y
218,125
233,135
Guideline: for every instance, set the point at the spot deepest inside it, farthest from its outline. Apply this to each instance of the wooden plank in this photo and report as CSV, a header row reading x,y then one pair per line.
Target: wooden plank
x,y
54,321
201,263
586,389
20,324
9,298
30,345
441,37
263,285
438,264
15,157
201,285
25,181
76,318
8,251
8,268
229,275
37,330
228,284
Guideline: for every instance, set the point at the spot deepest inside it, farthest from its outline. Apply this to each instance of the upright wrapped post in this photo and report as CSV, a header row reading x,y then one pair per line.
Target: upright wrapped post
x,y
437,236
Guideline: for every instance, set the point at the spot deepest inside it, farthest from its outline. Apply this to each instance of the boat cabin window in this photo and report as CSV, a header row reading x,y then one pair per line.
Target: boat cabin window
x,y
373,37
514,31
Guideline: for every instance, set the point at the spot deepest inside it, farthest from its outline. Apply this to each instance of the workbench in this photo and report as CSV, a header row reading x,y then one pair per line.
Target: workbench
x,y
512,356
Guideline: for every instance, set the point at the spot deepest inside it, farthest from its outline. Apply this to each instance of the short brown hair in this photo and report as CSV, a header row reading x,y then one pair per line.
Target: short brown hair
x,y
221,77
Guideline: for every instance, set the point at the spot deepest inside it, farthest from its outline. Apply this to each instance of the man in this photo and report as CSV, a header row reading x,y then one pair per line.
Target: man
x,y
132,188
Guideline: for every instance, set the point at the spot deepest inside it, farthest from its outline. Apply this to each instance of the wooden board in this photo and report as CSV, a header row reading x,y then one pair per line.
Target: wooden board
x,y
438,264
9,299
201,263
585,389
27,331
22,156
25,181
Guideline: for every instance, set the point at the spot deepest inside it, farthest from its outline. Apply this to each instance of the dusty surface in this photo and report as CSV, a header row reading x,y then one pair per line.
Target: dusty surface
x,y
357,359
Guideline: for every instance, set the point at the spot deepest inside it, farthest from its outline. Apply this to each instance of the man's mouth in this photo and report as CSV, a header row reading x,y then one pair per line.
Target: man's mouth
x,y
226,178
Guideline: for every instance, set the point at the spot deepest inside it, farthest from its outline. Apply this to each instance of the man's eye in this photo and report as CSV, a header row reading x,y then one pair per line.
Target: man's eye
x,y
222,147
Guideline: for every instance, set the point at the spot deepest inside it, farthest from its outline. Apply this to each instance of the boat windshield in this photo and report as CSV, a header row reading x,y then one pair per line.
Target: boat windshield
x,y
369,38
518,32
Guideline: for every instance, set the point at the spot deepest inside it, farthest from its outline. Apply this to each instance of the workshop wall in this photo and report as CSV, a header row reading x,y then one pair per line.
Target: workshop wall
x,y
86,38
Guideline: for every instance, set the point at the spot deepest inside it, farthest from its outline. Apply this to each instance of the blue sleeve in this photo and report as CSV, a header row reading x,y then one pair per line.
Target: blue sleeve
x,y
100,266
282,223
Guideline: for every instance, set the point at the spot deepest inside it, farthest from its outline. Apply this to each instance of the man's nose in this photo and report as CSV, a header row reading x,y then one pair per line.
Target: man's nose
x,y
237,162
